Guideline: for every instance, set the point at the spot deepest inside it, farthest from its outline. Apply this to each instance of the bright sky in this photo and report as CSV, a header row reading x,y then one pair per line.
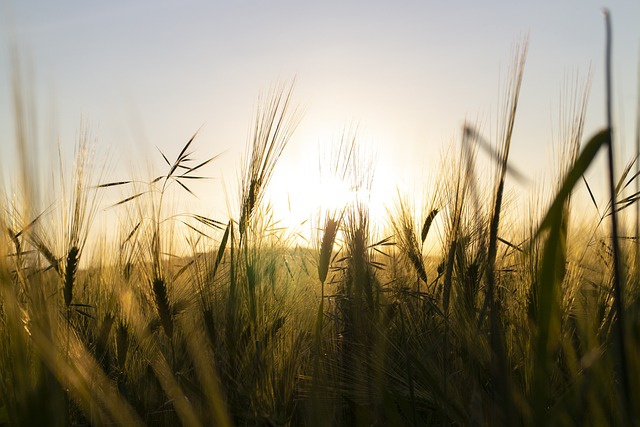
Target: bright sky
x,y
406,74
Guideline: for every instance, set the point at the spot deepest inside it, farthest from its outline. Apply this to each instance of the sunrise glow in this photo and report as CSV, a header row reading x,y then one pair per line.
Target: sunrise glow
x,y
330,213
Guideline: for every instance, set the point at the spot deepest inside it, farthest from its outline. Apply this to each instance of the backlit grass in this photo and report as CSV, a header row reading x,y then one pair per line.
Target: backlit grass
x,y
503,322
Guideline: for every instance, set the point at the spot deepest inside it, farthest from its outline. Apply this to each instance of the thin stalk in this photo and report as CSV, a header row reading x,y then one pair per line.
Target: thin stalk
x,y
619,328
499,366
637,234
231,308
409,366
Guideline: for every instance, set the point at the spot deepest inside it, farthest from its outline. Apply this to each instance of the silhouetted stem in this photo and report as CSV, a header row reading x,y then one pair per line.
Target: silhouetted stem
x,y
617,276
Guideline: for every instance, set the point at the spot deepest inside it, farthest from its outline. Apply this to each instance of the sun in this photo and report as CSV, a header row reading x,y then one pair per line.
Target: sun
x,y
306,187
333,194
299,197
326,194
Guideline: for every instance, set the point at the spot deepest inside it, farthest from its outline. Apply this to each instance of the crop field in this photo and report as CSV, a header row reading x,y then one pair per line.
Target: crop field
x,y
453,313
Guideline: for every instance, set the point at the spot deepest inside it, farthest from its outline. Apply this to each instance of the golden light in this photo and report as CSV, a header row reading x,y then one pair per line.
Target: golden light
x,y
333,194
299,198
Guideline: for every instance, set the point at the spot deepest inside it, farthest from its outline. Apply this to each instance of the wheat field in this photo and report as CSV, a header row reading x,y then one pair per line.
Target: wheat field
x,y
182,319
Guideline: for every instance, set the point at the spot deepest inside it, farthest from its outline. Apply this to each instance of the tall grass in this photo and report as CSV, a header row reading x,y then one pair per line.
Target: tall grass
x,y
499,323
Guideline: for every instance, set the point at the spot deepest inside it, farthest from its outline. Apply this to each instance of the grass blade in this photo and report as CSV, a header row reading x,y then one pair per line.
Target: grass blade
x,y
128,199
593,199
113,184
577,171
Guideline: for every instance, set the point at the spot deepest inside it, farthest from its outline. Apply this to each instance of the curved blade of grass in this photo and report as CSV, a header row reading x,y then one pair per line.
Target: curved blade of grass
x,y
182,270
548,312
593,199
195,229
473,135
182,156
579,168
387,241
113,184
128,199
209,222
132,233
221,250
511,245
195,168
164,157
192,177
186,188
32,223
632,179
624,175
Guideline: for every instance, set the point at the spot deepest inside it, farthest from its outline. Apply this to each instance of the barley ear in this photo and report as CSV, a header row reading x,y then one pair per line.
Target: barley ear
x,y
326,247
162,305
71,267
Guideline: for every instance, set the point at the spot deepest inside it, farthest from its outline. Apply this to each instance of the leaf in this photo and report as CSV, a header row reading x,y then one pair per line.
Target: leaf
x,y
132,233
164,157
83,305
387,241
593,199
202,164
182,270
85,314
511,245
579,168
382,253
195,229
628,199
546,304
113,184
192,177
209,222
472,134
186,188
633,178
625,203
221,249
182,155
128,199
186,159
626,172
31,224
378,265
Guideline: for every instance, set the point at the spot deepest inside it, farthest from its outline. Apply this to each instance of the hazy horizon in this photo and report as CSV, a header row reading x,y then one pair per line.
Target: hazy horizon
x,y
145,75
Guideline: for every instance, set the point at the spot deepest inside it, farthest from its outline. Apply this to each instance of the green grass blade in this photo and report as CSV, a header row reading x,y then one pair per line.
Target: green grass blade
x,y
128,199
624,175
579,168
182,156
113,184
593,199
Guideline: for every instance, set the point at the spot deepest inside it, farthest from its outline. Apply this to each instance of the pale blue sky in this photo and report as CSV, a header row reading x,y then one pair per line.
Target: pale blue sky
x,y
149,73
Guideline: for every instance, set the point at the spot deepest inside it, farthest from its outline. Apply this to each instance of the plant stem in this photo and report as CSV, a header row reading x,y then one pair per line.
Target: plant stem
x,y
619,329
